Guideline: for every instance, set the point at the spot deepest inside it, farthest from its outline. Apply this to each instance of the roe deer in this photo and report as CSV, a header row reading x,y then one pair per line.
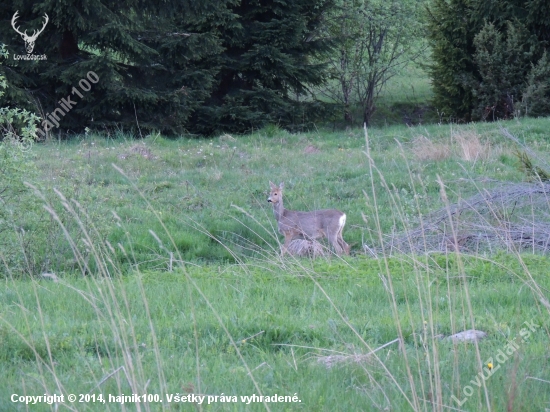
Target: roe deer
x,y
327,223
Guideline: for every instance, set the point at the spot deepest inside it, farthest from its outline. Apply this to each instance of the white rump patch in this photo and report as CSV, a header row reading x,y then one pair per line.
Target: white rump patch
x,y
342,220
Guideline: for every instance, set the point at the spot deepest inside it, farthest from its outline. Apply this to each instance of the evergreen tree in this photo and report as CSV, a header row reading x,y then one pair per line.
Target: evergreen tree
x,y
536,97
267,61
151,71
178,66
452,41
504,61
484,54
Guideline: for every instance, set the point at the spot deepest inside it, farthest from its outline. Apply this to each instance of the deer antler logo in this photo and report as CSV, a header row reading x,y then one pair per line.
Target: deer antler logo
x,y
29,40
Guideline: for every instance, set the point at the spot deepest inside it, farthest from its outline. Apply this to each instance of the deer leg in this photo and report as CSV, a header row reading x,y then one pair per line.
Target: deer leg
x,y
334,241
284,247
337,241
343,244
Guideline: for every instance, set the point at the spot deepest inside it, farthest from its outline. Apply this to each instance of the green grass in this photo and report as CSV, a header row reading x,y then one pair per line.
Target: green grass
x,y
404,100
170,279
67,336
199,189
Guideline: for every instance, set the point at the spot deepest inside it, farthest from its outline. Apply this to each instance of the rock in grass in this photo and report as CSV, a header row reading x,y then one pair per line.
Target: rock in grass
x,y
470,335
50,276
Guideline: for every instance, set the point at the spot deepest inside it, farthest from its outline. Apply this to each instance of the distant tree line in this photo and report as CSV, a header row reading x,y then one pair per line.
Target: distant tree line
x,y
207,66
490,58
186,66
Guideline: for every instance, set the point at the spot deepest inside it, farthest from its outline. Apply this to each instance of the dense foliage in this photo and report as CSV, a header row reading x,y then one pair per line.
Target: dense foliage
x,y
191,66
490,58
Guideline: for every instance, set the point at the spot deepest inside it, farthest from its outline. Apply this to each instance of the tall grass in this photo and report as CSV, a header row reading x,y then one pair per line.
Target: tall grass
x,y
354,333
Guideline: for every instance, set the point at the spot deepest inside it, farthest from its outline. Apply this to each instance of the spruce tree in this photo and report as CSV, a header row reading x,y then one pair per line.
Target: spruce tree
x,y
151,71
268,59
504,60
536,96
451,37
484,54
195,66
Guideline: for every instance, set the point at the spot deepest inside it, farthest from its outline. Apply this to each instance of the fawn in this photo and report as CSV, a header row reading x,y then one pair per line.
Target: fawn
x,y
327,223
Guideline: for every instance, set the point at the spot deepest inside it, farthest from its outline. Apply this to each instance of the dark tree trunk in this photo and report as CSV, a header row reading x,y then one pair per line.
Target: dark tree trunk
x,y
69,46
369,107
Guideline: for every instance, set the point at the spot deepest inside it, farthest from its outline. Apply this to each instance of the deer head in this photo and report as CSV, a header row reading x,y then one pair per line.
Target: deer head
x,y
276,193
29,40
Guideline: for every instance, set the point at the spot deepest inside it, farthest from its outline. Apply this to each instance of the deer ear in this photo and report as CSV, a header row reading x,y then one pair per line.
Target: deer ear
x,y
272,185
281,185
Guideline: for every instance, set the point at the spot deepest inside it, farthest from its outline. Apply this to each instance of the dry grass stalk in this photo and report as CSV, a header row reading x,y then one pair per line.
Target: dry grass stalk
x,y
306,248
509,217
333,360
470,147
424,149
140,150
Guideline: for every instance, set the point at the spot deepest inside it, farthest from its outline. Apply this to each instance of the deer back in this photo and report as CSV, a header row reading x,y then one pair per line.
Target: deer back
x,y
312,224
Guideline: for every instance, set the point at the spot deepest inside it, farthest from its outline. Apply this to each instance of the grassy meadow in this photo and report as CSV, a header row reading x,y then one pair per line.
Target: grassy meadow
x,y
152,266
406,100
